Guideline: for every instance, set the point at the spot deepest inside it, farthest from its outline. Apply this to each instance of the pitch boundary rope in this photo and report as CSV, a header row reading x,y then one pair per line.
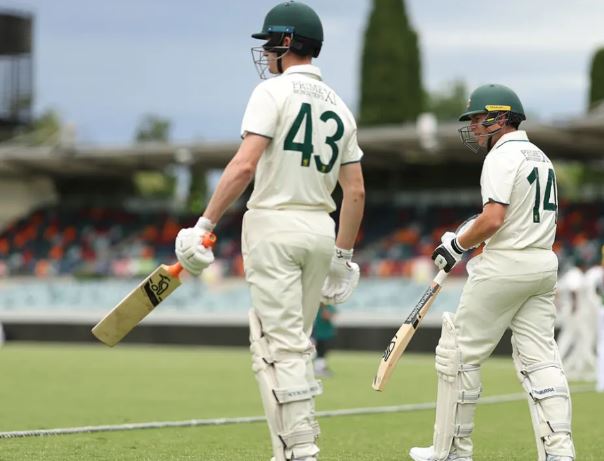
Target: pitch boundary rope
x,y
255,419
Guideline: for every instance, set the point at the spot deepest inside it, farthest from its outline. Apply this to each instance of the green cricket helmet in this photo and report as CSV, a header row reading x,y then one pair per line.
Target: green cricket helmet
x,y
501,105
493,98
293,19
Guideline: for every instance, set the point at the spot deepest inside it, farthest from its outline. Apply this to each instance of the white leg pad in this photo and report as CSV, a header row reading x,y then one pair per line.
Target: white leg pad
x,y
549,405
287,396
458,392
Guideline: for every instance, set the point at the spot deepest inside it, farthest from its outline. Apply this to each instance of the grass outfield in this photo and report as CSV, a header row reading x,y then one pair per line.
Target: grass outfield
x,y
51,386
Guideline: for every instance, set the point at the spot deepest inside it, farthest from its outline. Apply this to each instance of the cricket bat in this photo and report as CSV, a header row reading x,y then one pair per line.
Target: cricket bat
x,y
141,301
403,336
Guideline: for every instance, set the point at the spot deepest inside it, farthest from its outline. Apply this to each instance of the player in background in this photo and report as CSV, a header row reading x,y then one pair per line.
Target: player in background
x,y
323,334
568,299
578,335
594,321
511,284
299,140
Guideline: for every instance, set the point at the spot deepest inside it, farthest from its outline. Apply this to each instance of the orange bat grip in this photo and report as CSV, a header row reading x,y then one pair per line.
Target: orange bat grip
x,y
175,269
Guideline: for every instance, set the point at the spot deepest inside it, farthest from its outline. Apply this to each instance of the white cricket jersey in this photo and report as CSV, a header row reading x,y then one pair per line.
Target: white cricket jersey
x,y
518,174
594,281
313,133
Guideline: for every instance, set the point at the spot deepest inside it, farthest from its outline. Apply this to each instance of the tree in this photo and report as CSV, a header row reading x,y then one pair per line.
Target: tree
x,y
449,103
153,128
44,130
391,89
596,90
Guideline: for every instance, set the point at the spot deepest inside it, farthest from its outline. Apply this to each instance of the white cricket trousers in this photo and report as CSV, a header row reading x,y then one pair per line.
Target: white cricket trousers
x,y
600,372
286,257
287,254
512,289
507,289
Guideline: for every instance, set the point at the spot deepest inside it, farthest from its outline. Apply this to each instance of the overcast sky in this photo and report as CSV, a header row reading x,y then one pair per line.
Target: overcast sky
x,y
103,64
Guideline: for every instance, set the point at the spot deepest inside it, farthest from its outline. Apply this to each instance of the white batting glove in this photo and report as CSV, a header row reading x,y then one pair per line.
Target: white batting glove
x,y
190,250
342,278
448,253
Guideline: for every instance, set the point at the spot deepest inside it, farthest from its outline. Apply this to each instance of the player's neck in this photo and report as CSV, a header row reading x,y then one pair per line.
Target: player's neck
x,y
292,59
501,133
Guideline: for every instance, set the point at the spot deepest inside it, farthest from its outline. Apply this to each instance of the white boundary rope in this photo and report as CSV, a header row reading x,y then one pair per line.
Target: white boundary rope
x,y
255,419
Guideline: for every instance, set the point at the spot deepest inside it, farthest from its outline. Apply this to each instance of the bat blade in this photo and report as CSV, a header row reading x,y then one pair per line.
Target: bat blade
x,y
112,328
403,336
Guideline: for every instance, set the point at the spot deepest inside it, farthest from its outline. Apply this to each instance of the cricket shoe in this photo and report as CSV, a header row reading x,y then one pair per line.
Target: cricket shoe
x,y
427,454
559,458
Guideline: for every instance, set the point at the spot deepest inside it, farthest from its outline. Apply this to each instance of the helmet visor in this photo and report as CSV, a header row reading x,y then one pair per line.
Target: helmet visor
x,y
262,59
472,140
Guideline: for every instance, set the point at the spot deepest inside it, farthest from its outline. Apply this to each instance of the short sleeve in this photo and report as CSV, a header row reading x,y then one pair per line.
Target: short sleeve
x,y
261,114
497,179
352,152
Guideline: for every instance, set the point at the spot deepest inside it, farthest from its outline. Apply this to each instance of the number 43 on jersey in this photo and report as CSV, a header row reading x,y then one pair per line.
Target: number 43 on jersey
x,y
306,147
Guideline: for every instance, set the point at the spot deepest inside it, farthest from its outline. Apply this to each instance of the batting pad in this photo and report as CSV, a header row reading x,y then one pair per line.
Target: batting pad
x,y
287,396
549,405
458,392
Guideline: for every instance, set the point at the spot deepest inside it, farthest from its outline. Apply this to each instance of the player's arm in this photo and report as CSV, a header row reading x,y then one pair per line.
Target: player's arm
x,y
236,176
485,225
469,235
343,275
353,204
190,250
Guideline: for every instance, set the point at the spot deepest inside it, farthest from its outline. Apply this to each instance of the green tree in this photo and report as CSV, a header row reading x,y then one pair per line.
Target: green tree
x,y
391,89
153,128
596,90
44,130
447,104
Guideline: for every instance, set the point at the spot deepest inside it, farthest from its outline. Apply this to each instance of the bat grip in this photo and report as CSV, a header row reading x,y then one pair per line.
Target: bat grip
x,y
440,277
175,269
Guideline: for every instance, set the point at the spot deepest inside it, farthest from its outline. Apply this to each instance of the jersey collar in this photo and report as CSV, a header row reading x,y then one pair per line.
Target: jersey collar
x,y
518,135
308,69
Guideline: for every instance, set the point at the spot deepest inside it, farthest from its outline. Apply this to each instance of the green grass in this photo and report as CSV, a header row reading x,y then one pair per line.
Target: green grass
x,y
50,386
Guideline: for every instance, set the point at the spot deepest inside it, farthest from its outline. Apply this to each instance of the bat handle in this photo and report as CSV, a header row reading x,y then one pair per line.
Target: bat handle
x,y
440,277
208,239
175,269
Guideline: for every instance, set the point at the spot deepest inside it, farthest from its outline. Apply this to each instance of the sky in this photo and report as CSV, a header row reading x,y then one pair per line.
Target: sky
x,y
104,64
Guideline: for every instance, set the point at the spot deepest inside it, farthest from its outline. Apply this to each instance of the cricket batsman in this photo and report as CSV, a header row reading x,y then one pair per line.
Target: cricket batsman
x,y
511,284
299,140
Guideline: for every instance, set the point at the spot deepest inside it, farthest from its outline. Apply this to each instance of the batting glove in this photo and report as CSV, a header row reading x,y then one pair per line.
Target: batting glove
x,y
342,278
193,246
448,253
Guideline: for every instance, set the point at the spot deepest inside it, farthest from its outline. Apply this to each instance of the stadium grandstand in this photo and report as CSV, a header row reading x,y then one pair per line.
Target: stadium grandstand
x,y
78,234
78,230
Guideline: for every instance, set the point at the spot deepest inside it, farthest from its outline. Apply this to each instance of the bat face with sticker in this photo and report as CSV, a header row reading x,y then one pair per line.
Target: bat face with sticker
x,y
128,313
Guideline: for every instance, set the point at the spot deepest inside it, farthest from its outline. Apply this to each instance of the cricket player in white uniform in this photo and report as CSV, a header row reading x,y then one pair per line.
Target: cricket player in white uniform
x,y
594,282
299,139
577,346
569,293
511,284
